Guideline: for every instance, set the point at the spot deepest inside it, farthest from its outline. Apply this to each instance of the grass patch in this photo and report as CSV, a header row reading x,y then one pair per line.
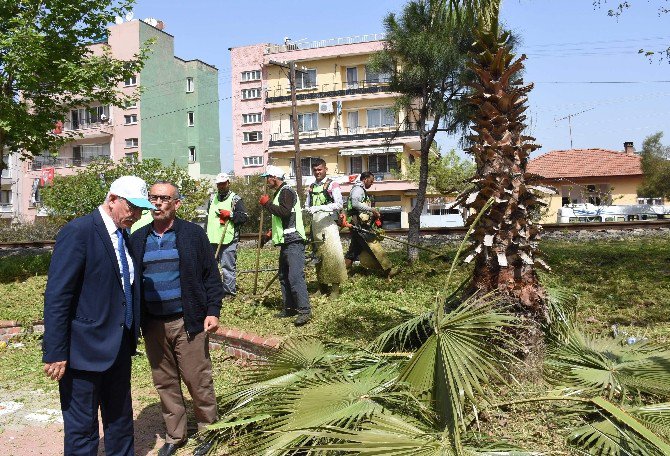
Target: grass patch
x,y
19,267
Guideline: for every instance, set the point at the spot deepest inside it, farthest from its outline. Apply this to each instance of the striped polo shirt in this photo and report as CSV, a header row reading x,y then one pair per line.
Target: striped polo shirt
x,y
162,289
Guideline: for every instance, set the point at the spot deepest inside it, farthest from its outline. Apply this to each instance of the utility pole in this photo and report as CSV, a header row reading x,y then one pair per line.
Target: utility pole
x,y
569,117
294,120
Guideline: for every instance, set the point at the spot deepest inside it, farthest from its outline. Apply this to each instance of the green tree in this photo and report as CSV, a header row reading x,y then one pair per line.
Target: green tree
x,y
47,66
656,168
73,196
250,189
425,53
447,173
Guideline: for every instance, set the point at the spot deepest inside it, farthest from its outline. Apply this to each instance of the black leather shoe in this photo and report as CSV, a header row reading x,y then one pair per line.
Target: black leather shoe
x,y
286,314
170,448
203,449
302,319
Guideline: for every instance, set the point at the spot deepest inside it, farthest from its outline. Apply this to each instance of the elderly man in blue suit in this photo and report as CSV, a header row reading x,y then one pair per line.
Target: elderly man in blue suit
x,y
91,321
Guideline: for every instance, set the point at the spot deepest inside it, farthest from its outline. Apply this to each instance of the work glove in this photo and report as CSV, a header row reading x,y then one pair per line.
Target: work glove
x,y
364,218
263,200
378,223
224,216
266,237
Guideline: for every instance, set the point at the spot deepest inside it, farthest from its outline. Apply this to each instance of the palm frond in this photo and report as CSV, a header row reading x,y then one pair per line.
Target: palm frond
x,y
416,330
609,365
463,356
397,435
345,402
611,430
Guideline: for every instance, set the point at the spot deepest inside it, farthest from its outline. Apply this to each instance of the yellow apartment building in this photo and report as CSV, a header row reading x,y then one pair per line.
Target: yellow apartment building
x,y
346,116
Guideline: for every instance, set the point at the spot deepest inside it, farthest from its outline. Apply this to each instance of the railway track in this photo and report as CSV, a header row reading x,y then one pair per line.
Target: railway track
x,y
548,227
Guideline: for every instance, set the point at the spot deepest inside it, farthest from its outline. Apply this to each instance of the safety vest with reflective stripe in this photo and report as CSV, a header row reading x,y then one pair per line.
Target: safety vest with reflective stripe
x,y
318,193
214,227
295,220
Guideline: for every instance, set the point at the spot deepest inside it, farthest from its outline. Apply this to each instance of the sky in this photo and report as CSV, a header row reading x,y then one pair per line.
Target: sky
x,y
582,62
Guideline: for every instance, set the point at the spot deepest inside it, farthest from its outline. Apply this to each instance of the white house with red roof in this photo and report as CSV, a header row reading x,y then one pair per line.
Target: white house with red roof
x,y
595,176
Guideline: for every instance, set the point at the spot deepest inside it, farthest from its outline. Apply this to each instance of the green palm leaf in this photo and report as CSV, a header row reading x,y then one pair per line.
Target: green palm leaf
x,y
461,357
395,435
344,401
609,365
611,430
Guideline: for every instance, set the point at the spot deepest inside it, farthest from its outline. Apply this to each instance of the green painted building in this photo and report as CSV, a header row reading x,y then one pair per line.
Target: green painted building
x,y
179,106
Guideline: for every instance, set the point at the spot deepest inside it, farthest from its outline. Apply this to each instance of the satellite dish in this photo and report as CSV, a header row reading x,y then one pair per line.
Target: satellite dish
x,y
129,16
118,20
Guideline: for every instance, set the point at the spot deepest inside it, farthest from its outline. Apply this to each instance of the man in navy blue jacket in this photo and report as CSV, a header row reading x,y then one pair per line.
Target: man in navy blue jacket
x,y
181,303
91,321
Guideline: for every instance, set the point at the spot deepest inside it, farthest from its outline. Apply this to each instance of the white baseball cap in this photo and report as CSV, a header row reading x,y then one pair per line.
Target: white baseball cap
x,y
274,171
221,178
133,189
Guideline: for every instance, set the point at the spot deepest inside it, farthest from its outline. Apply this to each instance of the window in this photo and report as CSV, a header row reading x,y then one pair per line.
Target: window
x,y
130,119
253,75
356,165
253,161
5,197
83,118
189,85
305,79
306,122
190,118
131,81
250,94
381,117
372,76
132,157
36,195
305,166
382,163
650,201
252,136
252,118
130,104
191,154
85,154
132,142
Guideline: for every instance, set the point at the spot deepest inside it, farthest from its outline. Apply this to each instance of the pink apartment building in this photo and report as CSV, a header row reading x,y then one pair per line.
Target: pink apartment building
x,y
180,99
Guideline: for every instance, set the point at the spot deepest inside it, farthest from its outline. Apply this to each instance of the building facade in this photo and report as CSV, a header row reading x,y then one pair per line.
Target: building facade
x,y
176,119
590,176
346,116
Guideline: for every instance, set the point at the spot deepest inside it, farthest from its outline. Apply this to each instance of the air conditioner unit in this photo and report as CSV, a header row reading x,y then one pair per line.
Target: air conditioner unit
x,y
325,107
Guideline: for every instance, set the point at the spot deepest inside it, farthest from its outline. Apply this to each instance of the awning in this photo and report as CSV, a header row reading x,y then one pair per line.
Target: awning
x,y
371,151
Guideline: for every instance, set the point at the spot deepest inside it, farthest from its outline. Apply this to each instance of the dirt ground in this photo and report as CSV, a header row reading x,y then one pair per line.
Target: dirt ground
x,y
31,424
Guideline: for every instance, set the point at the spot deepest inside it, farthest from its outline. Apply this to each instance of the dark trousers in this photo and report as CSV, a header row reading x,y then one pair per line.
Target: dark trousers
x,y
292,277
83,392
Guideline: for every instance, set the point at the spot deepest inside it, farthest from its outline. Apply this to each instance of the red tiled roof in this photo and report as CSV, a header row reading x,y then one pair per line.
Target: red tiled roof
x,y
585,163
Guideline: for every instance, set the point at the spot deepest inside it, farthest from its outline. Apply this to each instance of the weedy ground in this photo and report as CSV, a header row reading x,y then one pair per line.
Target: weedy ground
x,y
623,283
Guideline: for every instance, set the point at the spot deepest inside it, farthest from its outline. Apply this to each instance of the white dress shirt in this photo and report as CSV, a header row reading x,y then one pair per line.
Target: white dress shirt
x,y
113,235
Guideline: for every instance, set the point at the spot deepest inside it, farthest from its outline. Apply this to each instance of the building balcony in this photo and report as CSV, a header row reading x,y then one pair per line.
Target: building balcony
x,y
324,135
90,130
6,208
39,162
282,94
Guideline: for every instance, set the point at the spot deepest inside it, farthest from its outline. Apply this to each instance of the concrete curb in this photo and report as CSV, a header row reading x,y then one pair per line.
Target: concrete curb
x,y
236,342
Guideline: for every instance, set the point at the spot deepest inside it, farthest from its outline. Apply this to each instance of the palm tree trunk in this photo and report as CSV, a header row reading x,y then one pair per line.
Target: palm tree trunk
x,y
504,243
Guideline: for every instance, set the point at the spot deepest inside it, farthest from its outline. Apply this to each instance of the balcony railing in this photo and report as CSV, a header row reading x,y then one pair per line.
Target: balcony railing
x,y
40,162
76,126
293,46
6,208
282,93
345,134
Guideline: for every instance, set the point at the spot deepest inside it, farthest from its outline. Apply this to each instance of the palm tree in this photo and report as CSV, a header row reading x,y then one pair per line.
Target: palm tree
x,y
504,244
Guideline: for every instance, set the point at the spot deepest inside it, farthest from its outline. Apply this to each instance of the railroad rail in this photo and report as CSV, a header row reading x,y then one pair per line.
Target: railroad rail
x,y
548,227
